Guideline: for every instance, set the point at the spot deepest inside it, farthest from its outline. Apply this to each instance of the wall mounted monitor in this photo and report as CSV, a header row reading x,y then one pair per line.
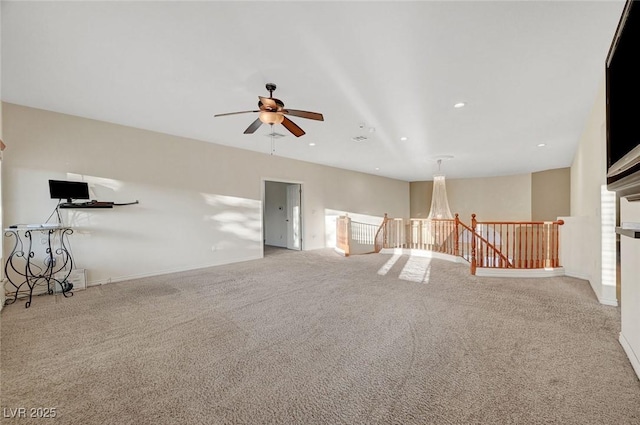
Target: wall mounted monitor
x,y
61,189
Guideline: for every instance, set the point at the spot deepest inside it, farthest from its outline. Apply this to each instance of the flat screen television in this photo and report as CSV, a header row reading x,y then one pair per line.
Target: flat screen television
x,y
623,105
60,189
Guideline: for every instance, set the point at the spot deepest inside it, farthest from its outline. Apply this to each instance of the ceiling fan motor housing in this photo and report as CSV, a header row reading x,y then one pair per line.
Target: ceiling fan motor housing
x,y
278,102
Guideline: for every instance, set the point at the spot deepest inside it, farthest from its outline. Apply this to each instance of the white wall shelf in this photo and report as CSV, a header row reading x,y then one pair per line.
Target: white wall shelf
x,y
632,233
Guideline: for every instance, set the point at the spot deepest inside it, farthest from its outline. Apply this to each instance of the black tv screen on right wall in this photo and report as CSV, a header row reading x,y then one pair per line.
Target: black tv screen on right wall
x,y
623,105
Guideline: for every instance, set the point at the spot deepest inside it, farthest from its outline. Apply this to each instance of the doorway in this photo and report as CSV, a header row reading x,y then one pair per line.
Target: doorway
x,y
282,215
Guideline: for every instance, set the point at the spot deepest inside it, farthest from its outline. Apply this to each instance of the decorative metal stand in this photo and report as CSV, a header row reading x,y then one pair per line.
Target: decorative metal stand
x,y
23,269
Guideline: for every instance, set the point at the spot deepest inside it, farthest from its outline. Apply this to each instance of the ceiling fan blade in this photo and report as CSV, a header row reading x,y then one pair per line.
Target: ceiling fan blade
x,y
304,114
268,103
292,127
234,113
253,127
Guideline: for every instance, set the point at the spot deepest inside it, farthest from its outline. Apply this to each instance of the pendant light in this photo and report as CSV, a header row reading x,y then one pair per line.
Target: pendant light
x,y
439,202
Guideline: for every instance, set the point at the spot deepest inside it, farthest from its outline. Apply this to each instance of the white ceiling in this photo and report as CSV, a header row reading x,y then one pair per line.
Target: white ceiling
x,y
528,71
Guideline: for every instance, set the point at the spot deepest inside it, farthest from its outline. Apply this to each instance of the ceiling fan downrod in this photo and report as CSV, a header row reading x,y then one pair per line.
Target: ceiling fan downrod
x,y
271,87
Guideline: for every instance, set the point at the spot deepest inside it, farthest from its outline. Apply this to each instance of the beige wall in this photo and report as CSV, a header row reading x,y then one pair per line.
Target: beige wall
x,y
421,193
589,162
550,194
593,239
200,203
540,196
490,198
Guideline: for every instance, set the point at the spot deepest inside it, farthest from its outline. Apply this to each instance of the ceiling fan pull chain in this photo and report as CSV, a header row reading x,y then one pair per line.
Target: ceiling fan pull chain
x,y
273,142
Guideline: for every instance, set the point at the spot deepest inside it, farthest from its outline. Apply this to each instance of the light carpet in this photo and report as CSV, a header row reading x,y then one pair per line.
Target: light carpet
x,y
315,338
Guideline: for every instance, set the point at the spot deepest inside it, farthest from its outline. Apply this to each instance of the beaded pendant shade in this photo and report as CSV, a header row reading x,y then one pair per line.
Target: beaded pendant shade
x,y
439,201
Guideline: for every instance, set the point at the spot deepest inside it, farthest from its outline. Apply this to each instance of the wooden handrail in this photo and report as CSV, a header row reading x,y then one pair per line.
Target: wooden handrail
x,y
559,222
353,237
529,244
431,234
394,233
380,234
492,244
475,235
456,250
474,262
363,233
423,234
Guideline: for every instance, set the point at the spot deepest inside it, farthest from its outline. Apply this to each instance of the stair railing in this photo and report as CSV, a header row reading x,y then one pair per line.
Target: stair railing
x,y
483,252
436,235
527,244
488,244
380,238
354,237
343,234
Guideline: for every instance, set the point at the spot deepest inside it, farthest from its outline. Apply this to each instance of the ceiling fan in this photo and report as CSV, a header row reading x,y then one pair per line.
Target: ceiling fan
x,y
272,111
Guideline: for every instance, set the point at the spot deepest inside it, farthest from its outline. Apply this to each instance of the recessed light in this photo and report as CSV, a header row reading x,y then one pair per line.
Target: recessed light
x,y
542,145
404,138
459,105
377,168
312,144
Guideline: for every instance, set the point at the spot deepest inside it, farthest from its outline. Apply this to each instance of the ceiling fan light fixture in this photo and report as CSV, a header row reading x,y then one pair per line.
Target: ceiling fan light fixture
x,y
268,117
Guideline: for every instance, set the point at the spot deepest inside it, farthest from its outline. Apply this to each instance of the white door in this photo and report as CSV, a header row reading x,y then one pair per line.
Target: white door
x,y
294,231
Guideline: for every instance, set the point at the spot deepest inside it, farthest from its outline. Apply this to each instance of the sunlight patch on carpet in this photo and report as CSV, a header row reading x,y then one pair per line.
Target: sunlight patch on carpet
x,y
417,269
387,266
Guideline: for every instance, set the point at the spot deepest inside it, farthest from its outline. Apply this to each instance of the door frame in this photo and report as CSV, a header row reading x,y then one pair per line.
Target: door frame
x,y
263,182
294,222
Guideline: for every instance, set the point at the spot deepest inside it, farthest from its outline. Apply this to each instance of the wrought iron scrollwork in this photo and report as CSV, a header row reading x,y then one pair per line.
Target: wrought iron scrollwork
x,y
25,273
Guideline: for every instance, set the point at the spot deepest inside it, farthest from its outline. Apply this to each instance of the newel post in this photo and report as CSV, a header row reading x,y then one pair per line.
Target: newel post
x,y
474,224
556,256
456,250
384,231
346,231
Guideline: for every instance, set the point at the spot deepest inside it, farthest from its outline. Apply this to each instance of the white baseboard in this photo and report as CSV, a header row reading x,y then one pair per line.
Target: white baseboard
x,y
602,300
3,295
607,301
480,271
423,253
495,272
167,271
635,362
576,274
340,251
